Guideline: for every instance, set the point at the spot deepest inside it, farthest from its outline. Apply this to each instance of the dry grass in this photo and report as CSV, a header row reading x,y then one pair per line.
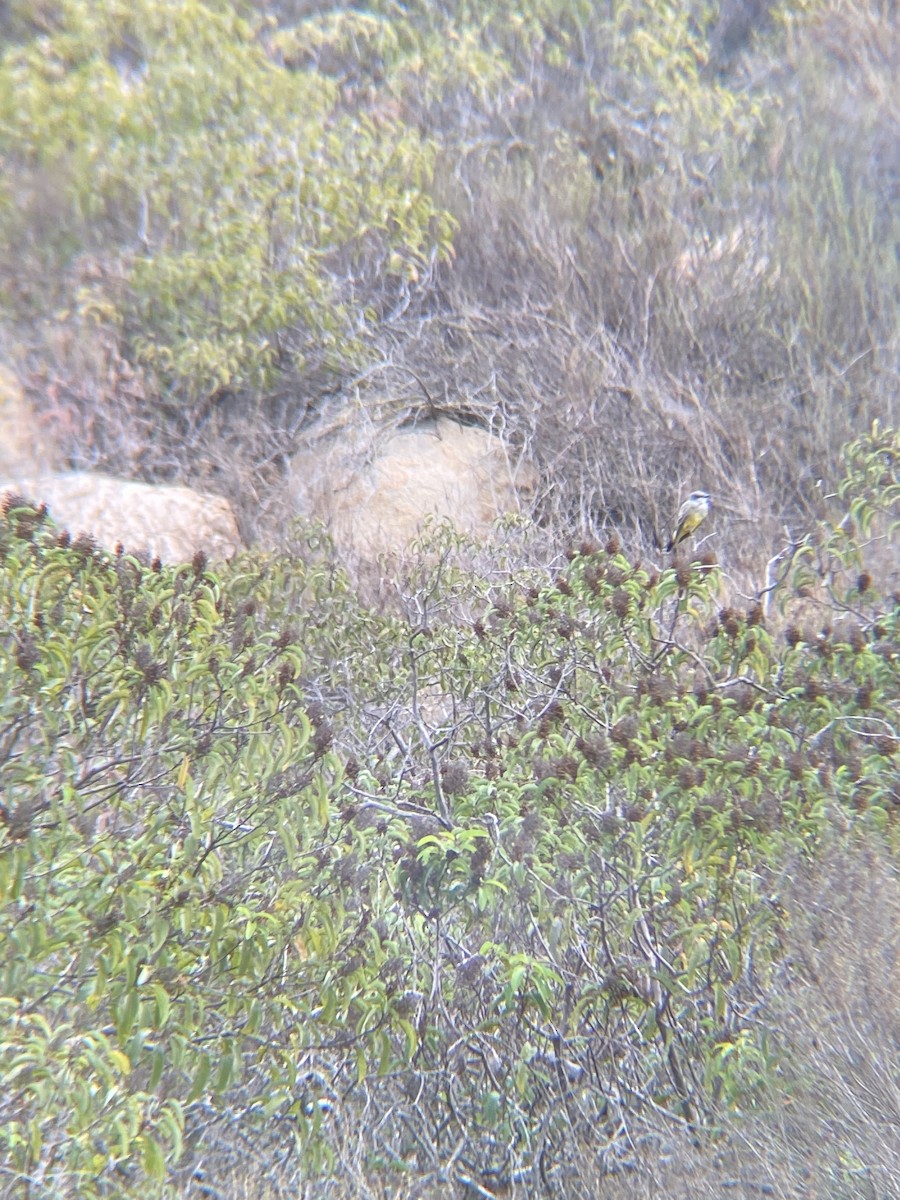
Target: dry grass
x,y
839,1016
635,324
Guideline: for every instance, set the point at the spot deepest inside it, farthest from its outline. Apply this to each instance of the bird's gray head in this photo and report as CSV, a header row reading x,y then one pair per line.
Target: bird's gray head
x,y
699,497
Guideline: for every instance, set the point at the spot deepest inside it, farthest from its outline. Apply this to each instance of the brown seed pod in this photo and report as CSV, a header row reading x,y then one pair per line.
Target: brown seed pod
x,y
864,694
595,750
687,776
624,730
683,575
455,778
857,640
620,602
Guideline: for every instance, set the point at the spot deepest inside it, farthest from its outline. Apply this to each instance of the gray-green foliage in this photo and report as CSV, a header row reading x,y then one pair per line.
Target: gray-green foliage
x,y
512,878
228,195
159,769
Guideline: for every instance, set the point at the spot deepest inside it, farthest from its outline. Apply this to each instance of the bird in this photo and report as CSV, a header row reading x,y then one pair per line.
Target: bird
x,y
692,513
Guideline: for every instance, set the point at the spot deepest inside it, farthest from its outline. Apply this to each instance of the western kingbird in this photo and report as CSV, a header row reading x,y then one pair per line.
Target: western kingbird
x,y
694,511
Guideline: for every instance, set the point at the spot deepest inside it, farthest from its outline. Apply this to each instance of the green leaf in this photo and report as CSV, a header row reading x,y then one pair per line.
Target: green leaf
x,y
201,1078
152,1156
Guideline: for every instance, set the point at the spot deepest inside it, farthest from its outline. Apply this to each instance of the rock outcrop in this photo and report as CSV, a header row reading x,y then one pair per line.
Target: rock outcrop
x,y
167,521
441,469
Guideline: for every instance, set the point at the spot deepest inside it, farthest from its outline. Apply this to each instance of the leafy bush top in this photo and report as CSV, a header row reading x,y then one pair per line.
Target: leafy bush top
x,y
237,192
266,856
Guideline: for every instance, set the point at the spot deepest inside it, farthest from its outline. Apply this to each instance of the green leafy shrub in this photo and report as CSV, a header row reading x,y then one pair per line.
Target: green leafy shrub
x,y
158,757
239,197
502,874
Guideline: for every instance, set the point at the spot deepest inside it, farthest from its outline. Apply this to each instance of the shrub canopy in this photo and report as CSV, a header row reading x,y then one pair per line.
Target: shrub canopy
x,y
506,869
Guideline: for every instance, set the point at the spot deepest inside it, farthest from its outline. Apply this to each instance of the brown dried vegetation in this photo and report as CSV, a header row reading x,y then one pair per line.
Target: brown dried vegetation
x,y
550,873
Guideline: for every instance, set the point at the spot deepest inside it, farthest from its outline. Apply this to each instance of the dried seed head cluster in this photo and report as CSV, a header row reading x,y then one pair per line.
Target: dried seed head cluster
x,y
471,970
23,517
11,502
864,694
624,730
609,822
84,546
660,688
323,738
552,714
884,648
351,768
813,689
27,654
688,776
287,637
151,670
796,764
566,628
729,622
745,697
620,602
480,861
565,767
455,778
595,750
594,577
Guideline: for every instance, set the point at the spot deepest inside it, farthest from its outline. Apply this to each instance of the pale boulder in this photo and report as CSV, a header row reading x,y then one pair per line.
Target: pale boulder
x,y
375,498
167,521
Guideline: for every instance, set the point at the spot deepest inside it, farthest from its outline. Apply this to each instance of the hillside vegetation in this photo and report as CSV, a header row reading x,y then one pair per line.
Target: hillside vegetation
x,y
566,868
653,245
491,895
